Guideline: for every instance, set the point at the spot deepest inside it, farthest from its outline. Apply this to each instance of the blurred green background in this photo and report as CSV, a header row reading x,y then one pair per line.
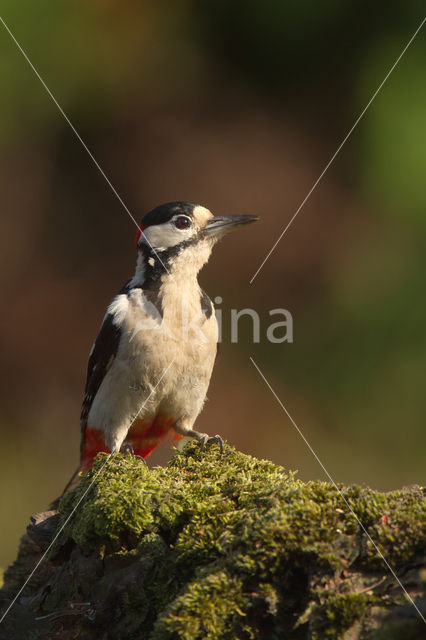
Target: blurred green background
x,y
239,106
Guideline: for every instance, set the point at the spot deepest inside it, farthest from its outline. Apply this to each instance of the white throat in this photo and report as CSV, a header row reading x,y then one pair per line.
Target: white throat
x,y
186,264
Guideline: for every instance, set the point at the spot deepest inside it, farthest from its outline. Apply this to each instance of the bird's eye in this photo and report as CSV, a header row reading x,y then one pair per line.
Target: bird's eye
x,y
182,222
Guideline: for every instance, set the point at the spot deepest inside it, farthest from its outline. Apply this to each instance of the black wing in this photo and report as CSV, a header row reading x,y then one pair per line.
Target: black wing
x,y
206,304
207,309
101,358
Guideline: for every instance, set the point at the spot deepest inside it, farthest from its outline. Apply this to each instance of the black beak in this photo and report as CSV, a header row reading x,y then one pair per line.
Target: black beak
x,y
222,224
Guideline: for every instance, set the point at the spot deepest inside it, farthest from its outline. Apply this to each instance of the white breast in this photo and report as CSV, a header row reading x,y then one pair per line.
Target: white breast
x,y
183,340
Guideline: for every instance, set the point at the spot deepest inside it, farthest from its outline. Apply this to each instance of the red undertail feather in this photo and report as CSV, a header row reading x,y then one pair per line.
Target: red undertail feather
x,y
93,444
143,436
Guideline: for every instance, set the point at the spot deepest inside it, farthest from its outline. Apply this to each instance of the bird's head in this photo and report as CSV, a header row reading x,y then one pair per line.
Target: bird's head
x,y
183,231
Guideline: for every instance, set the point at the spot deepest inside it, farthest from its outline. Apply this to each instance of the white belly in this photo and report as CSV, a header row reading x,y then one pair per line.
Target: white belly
x,y
162,366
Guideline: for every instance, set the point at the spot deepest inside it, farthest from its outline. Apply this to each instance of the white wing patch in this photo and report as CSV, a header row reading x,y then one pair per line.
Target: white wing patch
x,y
118,309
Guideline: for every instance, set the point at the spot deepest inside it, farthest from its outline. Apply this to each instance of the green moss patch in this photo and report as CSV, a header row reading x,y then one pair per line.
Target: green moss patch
x,y
227,546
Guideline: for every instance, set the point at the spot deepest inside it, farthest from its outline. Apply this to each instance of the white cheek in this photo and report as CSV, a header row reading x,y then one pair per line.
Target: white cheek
x,y
162,236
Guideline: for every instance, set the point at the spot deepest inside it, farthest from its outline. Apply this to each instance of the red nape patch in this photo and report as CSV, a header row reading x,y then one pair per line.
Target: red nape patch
x,y
94,443
138,233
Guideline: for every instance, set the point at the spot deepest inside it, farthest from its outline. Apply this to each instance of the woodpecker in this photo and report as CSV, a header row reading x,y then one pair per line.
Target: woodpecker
x,y
151,364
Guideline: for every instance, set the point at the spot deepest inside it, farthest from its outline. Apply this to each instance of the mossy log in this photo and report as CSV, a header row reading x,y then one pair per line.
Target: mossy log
x,y
220,547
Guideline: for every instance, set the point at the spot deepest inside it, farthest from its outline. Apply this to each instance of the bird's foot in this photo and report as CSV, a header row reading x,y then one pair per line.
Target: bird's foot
x,y
205,439
202,438
127,448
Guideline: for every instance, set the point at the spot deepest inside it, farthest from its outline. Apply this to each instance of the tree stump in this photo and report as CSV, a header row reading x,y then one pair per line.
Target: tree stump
x,y
219,547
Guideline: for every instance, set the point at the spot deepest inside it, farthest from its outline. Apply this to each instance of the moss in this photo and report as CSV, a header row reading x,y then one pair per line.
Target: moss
x,y
208,608
213,505
338,615
226,547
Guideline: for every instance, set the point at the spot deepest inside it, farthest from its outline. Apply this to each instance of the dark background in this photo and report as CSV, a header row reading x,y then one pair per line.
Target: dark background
x,y
239,106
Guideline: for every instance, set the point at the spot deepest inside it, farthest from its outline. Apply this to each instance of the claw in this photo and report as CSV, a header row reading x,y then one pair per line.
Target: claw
x,y
127,448
205,439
